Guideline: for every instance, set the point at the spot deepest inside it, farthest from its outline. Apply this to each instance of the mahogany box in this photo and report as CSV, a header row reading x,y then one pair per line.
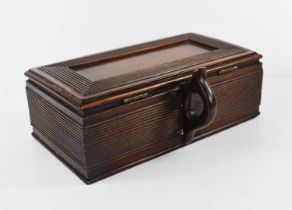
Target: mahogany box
x,y
104,113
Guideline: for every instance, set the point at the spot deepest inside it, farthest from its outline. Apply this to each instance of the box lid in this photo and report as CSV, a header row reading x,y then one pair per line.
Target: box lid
x,y
85,81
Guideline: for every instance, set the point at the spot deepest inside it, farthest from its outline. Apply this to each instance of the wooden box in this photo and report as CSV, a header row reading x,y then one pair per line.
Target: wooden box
x,y
104,113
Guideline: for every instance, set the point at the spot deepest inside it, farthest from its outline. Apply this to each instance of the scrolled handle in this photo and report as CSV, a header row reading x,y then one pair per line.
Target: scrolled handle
x,y
193,122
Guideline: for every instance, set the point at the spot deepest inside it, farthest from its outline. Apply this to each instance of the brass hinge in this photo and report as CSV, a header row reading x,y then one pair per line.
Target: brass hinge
x,y
135,98
224,71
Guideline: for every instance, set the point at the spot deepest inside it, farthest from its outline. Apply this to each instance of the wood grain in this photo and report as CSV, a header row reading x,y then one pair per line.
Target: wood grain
x,y
77,109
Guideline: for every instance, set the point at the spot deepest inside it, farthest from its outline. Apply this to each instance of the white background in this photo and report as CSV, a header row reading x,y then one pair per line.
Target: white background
x,y
246,167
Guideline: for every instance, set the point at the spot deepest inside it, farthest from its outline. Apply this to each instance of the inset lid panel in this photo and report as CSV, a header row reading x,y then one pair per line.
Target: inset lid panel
x,y
136,61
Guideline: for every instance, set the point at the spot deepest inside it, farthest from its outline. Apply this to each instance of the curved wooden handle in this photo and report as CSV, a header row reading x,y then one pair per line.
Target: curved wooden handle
x,y
194,122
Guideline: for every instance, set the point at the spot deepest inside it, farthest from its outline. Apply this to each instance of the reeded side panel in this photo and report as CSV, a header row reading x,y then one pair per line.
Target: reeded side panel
x,y
63,132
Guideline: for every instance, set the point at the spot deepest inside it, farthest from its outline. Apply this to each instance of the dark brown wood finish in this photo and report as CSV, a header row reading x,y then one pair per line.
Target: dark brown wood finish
x,y
104,113
198,115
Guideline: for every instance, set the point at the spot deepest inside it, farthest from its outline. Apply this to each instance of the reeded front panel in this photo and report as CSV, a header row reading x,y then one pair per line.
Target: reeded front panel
x,y
238,96
121,140
128,136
